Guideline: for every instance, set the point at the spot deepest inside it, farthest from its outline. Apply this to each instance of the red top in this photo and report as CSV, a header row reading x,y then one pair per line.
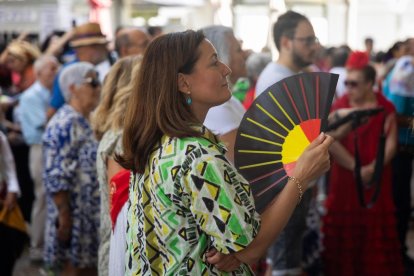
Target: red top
x,y
119,194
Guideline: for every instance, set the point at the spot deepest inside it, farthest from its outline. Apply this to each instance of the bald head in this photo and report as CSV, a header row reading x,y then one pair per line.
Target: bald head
x,y
131,41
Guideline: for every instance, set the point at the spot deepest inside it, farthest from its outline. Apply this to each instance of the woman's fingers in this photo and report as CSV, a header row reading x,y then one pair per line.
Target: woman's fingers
x,y
211,252
315,143
10,201
328,141
228,264
223,262
315,159
215,258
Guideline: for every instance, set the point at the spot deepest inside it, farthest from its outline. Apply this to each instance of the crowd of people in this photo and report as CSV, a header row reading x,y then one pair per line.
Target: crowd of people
x,y
120,155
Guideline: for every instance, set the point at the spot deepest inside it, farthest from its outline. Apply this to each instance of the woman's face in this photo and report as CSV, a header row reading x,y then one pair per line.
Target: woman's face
x,y
208,84
357,86
15,64
87,94
237,60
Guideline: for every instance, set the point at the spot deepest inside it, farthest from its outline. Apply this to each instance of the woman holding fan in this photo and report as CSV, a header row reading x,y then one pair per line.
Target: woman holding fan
x,y
360,236
185,197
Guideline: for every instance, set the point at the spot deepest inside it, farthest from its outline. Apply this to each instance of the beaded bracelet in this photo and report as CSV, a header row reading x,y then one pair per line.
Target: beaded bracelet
x,y
299,185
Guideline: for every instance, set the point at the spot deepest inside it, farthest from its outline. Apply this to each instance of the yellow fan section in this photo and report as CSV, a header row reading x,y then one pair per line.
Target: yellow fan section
x,y
294,145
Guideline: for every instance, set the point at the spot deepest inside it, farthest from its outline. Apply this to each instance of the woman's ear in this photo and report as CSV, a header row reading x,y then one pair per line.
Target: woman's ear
x,y
72,90
183,85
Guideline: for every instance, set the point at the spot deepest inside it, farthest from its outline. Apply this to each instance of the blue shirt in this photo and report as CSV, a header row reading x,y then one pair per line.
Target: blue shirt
x,y
57,100
32,112
398,87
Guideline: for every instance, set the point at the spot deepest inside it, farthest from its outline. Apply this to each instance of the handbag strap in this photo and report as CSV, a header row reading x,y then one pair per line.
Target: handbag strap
x,y
375,181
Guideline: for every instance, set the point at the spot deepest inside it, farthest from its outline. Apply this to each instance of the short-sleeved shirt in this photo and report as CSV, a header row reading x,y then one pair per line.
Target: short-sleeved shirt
x,y
226,117
32,108
189,200
272,73
8,175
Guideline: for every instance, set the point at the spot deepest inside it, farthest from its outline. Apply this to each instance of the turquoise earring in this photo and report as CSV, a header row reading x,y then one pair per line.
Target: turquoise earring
x,y
189,100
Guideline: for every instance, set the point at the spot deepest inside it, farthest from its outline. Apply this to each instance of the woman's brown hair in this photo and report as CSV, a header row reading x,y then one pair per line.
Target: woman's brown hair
x,y
156,106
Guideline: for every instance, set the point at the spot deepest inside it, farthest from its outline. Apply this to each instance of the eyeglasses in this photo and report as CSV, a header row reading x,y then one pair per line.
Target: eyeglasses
x,y
93,82
309,40
351,83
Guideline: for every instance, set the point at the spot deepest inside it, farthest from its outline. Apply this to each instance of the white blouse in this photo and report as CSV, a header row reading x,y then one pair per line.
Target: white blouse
x,y
7,167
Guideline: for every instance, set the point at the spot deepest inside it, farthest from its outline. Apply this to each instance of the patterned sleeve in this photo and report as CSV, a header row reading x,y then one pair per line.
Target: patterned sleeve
x,y
60,157
221,202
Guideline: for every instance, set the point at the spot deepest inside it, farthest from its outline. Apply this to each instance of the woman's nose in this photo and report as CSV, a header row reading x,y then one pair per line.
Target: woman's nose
x,y
227,70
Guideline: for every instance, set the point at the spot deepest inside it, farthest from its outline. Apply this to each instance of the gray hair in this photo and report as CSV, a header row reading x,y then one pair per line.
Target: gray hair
x,y
219,36
255,64
41,62
73,74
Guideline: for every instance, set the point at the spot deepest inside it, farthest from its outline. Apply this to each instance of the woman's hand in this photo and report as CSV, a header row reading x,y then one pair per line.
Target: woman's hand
x,y
223,262
64,227
366,174
10,201
314,161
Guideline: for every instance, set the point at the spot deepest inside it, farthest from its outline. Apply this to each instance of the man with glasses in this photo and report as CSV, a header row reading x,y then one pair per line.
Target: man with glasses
x,y
296,42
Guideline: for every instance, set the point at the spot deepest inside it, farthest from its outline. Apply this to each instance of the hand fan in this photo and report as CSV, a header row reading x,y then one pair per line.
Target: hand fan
x,y
278,127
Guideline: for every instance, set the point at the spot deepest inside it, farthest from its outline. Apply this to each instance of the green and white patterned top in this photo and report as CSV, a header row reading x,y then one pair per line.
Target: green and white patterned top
x,y
189,199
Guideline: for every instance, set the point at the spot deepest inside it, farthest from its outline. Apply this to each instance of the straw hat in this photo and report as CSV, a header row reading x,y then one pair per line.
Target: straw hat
x,y
88,34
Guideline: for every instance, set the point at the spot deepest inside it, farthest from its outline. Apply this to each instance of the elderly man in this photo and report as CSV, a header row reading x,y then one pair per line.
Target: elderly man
x,y
32,113
90,45
131,41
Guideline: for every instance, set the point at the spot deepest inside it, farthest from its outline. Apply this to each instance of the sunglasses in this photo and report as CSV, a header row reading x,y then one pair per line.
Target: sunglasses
x,y
93,82
351,83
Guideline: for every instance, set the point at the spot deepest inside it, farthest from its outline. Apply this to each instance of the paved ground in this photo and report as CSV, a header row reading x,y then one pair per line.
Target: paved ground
x,y
25,268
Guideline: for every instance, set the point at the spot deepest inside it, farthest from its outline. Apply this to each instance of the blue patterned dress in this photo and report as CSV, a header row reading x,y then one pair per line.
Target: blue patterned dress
x,y
70,165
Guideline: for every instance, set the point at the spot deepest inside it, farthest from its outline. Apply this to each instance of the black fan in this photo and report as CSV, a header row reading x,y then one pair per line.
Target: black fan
x,y
278,127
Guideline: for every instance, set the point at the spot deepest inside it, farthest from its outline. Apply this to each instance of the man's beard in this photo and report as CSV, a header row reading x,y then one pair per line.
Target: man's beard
x,y
299,62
